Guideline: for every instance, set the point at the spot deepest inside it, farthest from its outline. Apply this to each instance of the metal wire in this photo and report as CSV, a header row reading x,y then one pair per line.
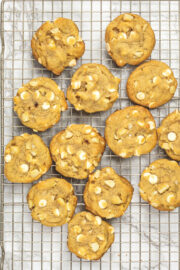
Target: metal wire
x,y
144,237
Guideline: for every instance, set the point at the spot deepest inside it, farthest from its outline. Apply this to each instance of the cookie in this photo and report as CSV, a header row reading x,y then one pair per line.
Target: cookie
x,y
56,45
27,158
77,150
39,103
151,84
52,202
160,184
93,88
89,237
107,194
131,132
169,135
129,39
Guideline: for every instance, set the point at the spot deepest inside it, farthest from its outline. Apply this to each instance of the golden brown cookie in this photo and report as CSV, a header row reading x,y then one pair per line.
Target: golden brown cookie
x,y
107,194
56,45
52,202
39,103
77,150
93,88
89,237
151,84
27,158
131,132
169,135
129,39
160,184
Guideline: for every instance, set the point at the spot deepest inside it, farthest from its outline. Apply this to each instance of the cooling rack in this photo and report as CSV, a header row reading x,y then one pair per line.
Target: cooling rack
x,y
144,237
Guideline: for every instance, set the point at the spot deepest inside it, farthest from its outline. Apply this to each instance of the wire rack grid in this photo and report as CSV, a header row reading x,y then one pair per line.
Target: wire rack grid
x,y
144,237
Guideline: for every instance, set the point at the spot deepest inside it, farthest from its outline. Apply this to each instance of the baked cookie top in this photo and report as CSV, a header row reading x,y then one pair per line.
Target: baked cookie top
x,y
107,194
151,84
131,132
77,150
52,202
169,135
27,158
89,237
39,103
129,39
56,45
93,88
160,184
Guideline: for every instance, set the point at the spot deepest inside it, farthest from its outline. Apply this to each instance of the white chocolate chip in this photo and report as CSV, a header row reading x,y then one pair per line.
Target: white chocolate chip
x,y
172,136
24,168
94,246
116,200
8,158
100,237
140,95
72,63
95,140
172,89
112,90
42,203
111,228
162,187
141,139
37,94
154,204
96,95
63,155
34,173
24,95
156,79
166,72
146,174
127,17
61,201
170,198
89,216
97,174
82,155
138,54
81,251
80,238
88,164
69,134
25,117
135,112
108,47
97,190
56,212
76,84
45,106
151,125
102,204
68,205
77,229
87,129
33,83
71,40
55,30
122,35
98,220
50,96
70,149
110,183
137,153
140,123
123,154
153,179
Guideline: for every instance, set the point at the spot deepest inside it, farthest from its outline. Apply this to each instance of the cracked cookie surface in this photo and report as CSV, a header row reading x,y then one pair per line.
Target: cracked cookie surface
x,y
89,237
77,150
56,45
169,135
93,88
160,184
151,84
27,158
129,39
52,202
131,131
107,194
39,103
